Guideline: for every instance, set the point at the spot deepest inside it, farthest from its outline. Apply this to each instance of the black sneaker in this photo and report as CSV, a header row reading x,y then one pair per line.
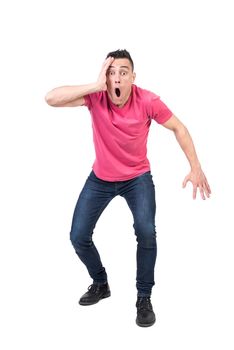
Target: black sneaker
x,y
145,313
95,293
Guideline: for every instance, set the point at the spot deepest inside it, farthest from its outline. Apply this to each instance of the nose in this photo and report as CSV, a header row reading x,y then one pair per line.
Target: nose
x,y
117,78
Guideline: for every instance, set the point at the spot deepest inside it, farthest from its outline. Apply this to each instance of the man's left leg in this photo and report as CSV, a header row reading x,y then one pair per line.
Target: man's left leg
x,y
140,196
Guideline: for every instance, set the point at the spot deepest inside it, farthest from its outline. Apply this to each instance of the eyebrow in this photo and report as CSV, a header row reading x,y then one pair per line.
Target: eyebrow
x,y
119,67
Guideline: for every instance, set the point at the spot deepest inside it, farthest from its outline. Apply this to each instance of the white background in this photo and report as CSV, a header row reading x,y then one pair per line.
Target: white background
x,y
183,51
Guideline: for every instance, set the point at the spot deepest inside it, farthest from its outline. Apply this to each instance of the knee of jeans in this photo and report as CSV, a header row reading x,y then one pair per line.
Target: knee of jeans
x,y
146,235
80,237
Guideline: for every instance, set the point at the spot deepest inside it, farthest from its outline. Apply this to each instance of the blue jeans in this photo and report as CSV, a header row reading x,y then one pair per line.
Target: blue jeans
x,y
139,193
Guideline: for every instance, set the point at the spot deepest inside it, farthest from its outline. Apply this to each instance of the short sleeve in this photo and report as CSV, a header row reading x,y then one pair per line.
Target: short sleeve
x,y
92,99
88,102
158,110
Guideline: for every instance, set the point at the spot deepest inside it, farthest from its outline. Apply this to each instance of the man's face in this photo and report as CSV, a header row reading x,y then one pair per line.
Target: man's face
x,y
120,78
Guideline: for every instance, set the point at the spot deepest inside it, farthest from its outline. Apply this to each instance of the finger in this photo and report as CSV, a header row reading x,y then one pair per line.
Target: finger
x,y
208,187
202,192
106,64
207,190
108,61
185,182
194,192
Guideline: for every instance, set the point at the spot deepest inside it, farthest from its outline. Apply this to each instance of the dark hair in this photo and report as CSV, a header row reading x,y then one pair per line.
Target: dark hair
x,y
121,54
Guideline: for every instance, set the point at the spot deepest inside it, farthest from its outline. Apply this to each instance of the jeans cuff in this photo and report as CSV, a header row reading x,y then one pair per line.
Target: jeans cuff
x,y
98,283
143,295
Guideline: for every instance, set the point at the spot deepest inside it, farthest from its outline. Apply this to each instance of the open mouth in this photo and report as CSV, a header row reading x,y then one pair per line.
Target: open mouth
x,y
117,92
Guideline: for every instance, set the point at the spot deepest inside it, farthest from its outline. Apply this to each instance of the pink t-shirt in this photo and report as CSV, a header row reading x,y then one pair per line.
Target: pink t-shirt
x,y
120,134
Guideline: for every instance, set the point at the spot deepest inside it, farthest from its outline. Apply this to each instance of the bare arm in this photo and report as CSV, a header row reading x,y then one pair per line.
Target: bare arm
x,y
72,96
196,175
69,96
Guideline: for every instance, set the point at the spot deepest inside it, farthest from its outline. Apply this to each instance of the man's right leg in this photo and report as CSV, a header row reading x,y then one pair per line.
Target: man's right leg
x,y
93,199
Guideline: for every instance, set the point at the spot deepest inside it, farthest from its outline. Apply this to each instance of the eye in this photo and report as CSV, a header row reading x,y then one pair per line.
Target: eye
x,y
111,72
123,73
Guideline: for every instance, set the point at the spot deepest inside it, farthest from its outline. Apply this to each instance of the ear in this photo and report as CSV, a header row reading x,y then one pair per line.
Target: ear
x,y
133,77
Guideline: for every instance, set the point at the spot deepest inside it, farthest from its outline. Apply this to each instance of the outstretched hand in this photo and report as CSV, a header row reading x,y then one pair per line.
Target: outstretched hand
x,y
199,181
102,76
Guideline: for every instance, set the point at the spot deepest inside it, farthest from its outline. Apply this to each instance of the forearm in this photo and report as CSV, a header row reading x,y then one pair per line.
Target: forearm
x,y
66,94
186,143
196,175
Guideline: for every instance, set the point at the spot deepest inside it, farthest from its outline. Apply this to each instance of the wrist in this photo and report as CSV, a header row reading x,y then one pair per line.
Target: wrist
x,y
196,166
98,87
93,87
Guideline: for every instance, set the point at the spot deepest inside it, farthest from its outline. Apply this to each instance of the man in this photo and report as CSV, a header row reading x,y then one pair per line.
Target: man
x,y
121,116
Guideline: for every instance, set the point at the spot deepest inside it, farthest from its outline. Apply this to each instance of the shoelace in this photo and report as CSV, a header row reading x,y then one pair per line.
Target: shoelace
x,y
144,303
93,288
